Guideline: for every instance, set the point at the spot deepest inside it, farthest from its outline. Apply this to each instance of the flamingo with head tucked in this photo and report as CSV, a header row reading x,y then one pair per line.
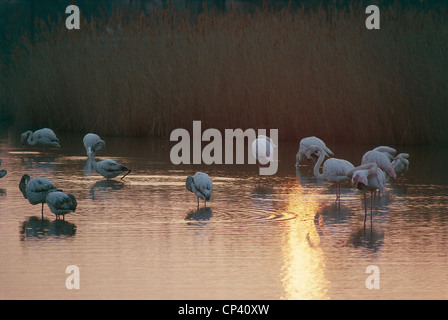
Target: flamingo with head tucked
x,y
333,170
45,137
36,190
201,185
367,178
263,149
61,203
305,143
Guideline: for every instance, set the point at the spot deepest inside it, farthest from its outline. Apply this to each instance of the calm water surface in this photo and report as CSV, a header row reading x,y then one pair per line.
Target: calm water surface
x,y
281,238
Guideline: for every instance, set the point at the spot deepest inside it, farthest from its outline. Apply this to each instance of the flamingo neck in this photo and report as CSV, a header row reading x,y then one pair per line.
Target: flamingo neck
x,y
30,139
23,183
92,158
317,174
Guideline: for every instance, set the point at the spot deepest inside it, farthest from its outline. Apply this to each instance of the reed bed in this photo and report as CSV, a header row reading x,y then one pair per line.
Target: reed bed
x,y
317,72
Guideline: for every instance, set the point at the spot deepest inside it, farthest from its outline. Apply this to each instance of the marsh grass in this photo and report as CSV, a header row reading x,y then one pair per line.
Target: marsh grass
x,y
303,72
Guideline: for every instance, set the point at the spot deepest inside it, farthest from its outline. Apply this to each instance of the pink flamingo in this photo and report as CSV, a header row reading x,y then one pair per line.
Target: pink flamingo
x,y
333,170
381,160
367,178
401,163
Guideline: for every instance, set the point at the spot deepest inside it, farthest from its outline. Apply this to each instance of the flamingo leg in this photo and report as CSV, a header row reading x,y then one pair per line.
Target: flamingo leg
x,y
365,209
371,208
198,203
42,211
337,190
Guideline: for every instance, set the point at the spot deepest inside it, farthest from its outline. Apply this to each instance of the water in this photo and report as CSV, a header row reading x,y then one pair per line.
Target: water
x,y
283,238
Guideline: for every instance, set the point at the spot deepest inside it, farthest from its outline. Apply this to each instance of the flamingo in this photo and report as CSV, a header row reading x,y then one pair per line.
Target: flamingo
x,y
305,143
90,140
387,151
43,136
201,185
382,161
401,163
263,149
36,190
3,172
61,203
334,170
367,178
107,168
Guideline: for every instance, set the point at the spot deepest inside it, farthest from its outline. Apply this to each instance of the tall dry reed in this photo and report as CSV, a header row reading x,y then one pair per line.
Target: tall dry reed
x,y
305,73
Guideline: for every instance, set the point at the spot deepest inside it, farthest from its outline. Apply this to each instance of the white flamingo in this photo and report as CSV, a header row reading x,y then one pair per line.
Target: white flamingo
x,y
3,172
36,190
333,170
45,137
90,140
368,178
61,203
387,151
263,149
401,163
382,161
201,185
305,143
109,169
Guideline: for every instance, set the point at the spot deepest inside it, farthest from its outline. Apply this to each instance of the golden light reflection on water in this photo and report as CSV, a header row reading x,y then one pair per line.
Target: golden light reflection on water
x,y
303,259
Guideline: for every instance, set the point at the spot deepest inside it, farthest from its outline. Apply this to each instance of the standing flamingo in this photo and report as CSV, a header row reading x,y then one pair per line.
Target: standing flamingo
x,y
36,190
45,137
382,161
305,143
263,150
401,163
3,172
367,178
333,170
61,203
107,168
201,185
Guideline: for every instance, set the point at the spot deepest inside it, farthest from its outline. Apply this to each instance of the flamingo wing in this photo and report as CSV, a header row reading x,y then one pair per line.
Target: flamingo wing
x,y
202,185
61,203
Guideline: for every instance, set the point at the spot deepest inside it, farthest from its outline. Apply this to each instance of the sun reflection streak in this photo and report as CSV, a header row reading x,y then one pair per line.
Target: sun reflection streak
x,y
303,259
